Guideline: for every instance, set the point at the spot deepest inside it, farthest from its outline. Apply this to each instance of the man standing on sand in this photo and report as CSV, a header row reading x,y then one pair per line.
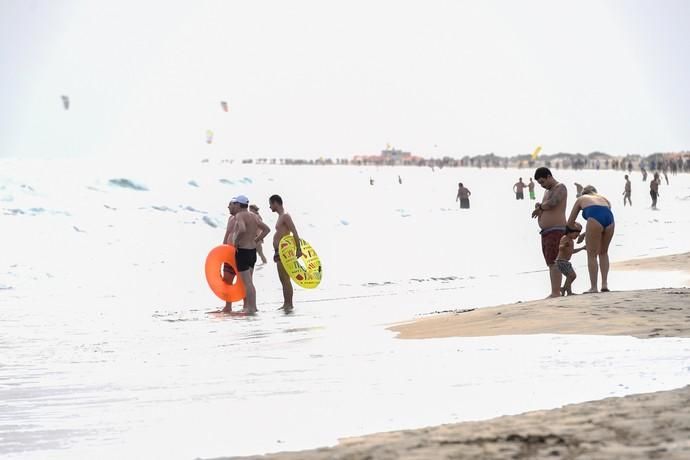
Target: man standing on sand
x,y
463,196
284,226
530,187
519,188
550,215
249,230
654,189
627,191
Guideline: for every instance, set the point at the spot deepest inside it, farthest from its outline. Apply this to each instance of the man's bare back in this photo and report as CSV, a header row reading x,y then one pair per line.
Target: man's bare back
x,y
246,230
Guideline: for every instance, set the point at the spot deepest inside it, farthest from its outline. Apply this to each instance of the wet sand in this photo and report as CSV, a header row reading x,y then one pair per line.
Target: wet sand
x,y
676,262
646,426
642,314
647,313
652,425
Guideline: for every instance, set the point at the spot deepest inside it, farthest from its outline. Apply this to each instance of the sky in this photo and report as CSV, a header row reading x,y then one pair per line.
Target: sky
x,y
309,79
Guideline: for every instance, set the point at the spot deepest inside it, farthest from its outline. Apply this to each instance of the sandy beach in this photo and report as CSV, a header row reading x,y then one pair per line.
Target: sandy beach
x,y
646,426
642,314
675,262
651,425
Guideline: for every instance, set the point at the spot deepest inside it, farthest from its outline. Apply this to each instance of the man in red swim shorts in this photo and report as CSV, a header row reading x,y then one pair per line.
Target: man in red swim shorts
x,y
550,215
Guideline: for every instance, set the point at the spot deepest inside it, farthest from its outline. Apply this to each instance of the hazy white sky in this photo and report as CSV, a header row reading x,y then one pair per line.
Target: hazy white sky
x,y
321,78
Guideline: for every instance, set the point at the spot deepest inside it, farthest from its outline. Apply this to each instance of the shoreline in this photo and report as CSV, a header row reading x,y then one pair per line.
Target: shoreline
x,y
647,425
642,314
674,262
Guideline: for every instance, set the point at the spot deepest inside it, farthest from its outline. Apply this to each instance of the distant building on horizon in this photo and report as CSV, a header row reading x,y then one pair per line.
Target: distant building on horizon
x,y
395,154
389,156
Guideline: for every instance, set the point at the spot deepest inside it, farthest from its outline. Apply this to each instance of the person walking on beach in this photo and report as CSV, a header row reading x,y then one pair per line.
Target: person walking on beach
x,y
566,249
248,231
519,188
229,272
654,189
530,187
578,190
627,191
284,226
550,215
599,232
463,196
254,209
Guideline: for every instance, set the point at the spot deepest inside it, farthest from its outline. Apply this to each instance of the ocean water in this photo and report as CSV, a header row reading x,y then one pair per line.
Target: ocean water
x,y
107,348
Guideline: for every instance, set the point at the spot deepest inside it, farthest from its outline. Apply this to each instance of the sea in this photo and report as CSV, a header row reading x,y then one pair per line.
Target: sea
x,y
108,350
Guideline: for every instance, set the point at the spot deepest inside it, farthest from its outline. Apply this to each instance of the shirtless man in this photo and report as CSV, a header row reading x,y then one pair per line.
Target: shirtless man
x,y
627,192
578,190
463,196
519,188
254,209
530,187
654,189
249,230
284,226
550,215
228,271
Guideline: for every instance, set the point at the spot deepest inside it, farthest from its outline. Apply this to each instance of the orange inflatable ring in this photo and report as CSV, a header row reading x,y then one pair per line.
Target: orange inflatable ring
x,y
219,255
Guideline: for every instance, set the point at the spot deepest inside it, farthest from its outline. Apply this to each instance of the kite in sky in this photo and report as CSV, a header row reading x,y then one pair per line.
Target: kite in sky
x,y
535,154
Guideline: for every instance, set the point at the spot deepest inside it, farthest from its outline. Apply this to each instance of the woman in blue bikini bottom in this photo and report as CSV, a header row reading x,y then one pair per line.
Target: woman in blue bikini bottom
x,y
599,232
601,214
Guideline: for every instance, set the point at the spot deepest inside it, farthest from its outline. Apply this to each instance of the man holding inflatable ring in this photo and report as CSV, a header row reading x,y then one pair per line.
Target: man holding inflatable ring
x,y
248,231
284,226
228,271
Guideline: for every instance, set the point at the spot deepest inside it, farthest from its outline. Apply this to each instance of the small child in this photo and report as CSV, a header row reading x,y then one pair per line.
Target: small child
x,y
566,249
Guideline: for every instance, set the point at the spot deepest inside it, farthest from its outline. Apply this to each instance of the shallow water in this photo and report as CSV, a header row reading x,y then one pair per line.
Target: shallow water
x,y
107,349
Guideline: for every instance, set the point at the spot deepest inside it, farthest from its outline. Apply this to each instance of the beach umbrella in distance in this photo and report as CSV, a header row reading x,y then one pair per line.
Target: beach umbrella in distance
x,y
224,106
209,136
65,101
535,154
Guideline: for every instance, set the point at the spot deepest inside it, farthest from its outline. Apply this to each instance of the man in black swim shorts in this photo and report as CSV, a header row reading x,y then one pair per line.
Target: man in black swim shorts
x,y
245,259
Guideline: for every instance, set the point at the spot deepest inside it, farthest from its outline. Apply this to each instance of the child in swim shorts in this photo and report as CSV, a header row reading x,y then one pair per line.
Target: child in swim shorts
x,y
566,249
